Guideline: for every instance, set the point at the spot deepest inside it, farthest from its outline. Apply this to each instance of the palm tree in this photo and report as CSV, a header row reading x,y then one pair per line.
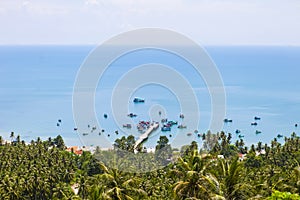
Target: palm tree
x,y
230,176
195,182
97,193
118,186
12,135
1,140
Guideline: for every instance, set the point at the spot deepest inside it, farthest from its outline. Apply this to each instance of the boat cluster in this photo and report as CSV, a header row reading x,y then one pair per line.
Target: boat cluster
x,y
254,123
238,132
166,125
143,125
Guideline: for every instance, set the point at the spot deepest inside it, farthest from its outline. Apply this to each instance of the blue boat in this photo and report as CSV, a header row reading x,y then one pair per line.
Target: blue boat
x,y
165,128
228,120
138,100
131,115
279,136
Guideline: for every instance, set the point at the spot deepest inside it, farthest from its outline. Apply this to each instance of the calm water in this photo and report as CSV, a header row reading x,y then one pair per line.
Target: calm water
x,y
36,87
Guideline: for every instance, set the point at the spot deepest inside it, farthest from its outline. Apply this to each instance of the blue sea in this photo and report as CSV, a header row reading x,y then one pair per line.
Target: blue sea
x,y
36,87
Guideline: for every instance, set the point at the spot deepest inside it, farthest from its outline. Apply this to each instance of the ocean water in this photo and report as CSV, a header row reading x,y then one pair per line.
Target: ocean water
x,y
37,82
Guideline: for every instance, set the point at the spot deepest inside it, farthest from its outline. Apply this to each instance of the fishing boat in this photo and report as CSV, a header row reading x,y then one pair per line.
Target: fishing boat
x,y
138,100
181,126
165,128
257,118
173,122
132,115
126,125
254,124
257,132
164,120
228,120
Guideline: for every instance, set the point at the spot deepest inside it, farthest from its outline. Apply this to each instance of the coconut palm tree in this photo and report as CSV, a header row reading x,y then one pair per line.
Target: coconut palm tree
x,y
119,186
195,182
230,176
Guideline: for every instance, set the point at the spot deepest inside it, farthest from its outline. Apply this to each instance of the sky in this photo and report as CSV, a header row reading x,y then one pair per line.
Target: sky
x,y
208,22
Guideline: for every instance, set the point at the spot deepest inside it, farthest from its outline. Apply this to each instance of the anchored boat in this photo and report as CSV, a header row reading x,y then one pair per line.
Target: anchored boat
x,y
138,100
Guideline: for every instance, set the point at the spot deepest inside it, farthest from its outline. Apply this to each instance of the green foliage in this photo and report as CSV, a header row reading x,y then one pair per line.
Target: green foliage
x,y
44,170
276,195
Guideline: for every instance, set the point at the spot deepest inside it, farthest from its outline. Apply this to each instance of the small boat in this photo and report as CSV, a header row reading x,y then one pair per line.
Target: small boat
x,y
132,115
257,118
167,125
75,129
84,134
173,122
181,126
105,116
159,112
138,100
181,116
140,128
164,120
59,121
241,136
279,136
165,128
257,132
254,124
57,124
189,134
196,131
237,131
296,125
126,125
228,120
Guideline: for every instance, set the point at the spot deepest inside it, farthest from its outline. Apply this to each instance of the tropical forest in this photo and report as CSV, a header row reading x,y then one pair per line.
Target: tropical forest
x,y
219,169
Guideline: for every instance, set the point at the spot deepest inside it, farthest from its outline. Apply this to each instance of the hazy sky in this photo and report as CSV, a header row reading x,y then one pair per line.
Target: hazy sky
x,y
209,22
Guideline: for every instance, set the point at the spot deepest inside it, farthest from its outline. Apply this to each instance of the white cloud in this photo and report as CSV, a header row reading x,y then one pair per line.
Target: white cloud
x,y
91,2
206,21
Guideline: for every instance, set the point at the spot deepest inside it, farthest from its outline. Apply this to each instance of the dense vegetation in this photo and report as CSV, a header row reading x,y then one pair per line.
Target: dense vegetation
x,y
44,170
